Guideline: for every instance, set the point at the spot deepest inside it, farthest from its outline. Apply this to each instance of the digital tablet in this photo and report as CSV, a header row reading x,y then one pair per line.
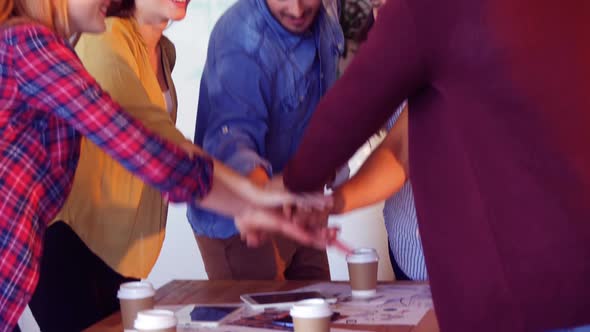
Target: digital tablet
x,y
206,315
279,299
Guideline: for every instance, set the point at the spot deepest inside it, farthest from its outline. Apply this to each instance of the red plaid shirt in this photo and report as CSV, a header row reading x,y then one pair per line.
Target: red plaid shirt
x,y
47,100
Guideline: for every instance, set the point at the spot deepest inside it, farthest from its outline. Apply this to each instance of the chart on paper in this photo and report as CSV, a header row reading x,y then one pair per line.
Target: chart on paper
x,y
392,305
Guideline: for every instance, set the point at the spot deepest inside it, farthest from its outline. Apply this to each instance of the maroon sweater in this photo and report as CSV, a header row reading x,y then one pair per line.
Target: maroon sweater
x,y
499,95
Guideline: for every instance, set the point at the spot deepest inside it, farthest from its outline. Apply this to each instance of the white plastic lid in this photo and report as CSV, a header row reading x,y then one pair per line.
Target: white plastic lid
x,y
155,319
136,290
363,255
311,308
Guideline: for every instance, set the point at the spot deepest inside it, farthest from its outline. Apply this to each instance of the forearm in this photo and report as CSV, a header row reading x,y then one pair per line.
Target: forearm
x,y
76,98
238,174
228,193
380,78
381,176
156,120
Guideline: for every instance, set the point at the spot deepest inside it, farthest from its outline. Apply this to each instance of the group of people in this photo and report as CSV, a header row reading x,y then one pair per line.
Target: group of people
x,y
484,99
97,200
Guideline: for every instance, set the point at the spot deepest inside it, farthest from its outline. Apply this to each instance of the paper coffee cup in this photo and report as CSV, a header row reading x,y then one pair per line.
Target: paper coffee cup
x,y
155,321
134,297
362,270
312,315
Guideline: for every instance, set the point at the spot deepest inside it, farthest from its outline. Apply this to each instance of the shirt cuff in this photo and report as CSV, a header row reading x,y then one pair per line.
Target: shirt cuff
x,y
244,162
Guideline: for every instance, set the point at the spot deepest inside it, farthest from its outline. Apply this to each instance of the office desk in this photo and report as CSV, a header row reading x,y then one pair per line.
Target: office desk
x,y
203,291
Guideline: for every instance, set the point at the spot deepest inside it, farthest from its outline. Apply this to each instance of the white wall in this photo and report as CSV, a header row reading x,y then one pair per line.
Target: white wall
x,y
180,257
190,38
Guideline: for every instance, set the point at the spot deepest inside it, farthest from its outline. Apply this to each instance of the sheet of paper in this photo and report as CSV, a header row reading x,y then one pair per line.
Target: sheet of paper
x,y
392,305
248,320
220,329
244,329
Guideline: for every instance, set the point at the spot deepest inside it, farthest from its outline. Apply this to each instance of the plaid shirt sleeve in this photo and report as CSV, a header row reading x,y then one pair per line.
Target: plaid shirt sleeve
x,y
53,79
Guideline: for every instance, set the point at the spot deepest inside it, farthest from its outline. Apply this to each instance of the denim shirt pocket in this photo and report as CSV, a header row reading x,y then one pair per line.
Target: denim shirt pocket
x,y
287,120
294,107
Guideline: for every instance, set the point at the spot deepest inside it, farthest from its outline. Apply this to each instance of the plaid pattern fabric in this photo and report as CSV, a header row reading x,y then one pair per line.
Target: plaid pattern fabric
x,y
46,101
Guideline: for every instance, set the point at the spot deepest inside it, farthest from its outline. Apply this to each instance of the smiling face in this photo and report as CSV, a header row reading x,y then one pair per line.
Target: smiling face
x,y
296,16
87,15
160,10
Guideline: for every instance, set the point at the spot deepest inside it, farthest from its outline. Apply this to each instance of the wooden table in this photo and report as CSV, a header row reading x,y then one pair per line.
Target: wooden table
x,y
203,291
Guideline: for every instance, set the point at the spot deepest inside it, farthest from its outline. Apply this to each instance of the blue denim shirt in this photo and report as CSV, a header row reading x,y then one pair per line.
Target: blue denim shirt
x,y
259,88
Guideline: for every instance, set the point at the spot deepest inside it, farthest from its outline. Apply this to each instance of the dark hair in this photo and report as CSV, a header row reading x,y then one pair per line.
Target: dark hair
x,y
121,8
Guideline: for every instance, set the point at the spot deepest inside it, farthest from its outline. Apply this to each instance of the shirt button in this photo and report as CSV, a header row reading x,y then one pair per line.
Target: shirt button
x,y
321,75
301,98
225,130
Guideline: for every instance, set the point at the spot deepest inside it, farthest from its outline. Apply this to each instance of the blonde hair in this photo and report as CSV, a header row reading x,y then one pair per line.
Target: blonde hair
x,y
6,10
51,13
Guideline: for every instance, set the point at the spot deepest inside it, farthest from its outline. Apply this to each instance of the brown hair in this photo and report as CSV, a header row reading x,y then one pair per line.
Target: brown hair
x,y
121,8
51,13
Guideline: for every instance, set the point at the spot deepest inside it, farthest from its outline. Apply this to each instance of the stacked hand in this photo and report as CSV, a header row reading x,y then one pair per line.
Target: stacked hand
x,y
261,209
273,210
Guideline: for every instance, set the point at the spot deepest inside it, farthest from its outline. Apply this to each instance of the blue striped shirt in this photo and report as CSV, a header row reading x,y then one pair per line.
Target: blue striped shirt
x,y
401,223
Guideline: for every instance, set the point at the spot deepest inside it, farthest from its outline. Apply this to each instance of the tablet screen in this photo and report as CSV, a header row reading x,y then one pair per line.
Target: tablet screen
x,y
210,313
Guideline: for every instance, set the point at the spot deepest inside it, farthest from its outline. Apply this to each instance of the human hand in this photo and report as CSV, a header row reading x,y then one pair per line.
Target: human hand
x,y
295,202
259,211
276,182
301,219
256,224
330,239
310,219
315,233
319,238
306,216
274,194
316,222
276,206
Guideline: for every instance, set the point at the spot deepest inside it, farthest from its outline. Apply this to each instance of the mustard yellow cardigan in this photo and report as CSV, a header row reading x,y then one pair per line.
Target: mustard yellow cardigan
x,y
120,218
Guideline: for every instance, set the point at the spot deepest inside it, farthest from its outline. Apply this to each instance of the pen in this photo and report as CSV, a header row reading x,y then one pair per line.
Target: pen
x,y
282,324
